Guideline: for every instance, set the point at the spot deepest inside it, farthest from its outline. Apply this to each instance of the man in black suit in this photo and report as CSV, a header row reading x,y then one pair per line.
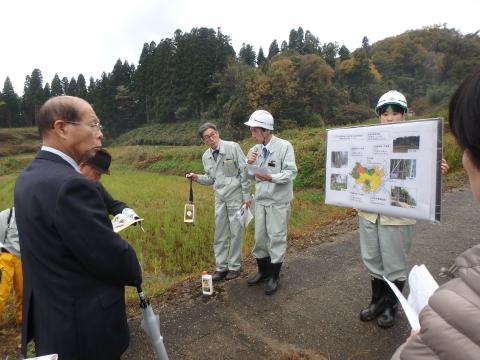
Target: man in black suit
x,y
75,267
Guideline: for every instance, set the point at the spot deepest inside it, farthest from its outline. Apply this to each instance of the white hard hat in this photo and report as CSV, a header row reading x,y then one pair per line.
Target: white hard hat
x,y
261,119
393,97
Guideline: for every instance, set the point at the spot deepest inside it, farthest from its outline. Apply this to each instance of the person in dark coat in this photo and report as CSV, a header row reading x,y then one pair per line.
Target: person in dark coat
x,y
93,169
75,267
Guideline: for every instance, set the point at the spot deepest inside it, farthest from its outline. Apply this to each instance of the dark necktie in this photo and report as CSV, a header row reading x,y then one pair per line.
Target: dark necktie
x,y
265,152
215,154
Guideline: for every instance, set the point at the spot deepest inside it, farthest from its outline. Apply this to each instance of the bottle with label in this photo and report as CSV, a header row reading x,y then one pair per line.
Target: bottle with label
x,y
207,284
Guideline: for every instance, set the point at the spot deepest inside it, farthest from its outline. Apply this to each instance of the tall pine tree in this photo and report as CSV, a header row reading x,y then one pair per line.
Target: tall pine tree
x,y
72,87
33,96
56,88
11,107
273,49
261,57
246,55
81,87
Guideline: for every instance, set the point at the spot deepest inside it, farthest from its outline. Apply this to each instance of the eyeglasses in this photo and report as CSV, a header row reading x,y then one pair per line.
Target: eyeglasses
x,y
209,136
96,125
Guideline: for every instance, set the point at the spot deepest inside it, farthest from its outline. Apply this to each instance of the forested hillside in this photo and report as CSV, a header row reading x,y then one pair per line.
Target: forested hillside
x,y
197,75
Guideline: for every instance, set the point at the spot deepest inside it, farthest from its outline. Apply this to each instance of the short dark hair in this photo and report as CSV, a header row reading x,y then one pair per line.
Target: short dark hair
x,y
55,108
464,116
395,107
205,126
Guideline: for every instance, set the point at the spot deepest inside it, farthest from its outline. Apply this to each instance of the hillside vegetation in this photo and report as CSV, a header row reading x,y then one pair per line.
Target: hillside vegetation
x,y
128,151
18,141
16,148
197,76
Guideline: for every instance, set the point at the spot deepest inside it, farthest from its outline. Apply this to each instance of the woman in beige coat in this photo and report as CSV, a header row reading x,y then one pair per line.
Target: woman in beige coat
x,y
450,323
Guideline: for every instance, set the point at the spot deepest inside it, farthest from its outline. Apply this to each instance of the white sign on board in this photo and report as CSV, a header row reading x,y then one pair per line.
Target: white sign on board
x,y
392,169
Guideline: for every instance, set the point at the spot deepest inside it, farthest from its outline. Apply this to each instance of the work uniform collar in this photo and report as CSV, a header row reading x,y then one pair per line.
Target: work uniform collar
x,y
220,148
269,145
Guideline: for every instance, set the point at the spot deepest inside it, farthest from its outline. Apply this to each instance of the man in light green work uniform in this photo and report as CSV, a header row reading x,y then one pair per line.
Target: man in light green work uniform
x,y
275,171
224,164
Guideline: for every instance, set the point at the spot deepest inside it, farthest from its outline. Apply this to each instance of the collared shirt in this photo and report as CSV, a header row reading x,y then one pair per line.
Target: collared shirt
x,y
62,155
216,151
268,145
385,219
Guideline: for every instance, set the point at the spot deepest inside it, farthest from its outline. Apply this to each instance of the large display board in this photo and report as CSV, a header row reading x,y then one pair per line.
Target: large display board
x,y
392,169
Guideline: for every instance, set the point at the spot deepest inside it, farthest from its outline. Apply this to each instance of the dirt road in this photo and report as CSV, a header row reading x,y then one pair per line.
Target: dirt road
x,y
314,315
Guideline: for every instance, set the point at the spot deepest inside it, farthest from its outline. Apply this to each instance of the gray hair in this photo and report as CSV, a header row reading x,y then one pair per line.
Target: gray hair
x,y
59,107
205,126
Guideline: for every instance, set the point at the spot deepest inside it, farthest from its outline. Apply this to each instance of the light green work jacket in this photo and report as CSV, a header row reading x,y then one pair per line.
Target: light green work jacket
x,y
227,174
281,164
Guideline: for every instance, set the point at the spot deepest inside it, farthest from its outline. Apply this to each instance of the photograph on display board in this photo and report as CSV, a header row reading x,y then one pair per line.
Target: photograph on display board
x,y
402,197
339,159
406,144
338,182
403,169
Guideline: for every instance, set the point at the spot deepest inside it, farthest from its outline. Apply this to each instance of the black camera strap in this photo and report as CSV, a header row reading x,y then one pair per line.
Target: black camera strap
x,y
9,217
8,226
190,198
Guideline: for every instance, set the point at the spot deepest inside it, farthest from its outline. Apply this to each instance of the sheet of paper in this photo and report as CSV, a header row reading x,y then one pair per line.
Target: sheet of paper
x,y
412,316
45,357
120,222
244,216
254,169
422,286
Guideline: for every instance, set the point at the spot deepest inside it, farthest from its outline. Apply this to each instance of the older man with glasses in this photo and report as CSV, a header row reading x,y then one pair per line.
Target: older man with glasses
x,y
75,267
224,164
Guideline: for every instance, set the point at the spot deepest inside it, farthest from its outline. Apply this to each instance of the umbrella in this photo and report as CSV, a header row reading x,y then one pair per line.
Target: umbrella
x,y
151,325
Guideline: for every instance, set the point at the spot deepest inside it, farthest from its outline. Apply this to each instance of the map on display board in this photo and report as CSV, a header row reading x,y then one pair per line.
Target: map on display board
x,y
392,169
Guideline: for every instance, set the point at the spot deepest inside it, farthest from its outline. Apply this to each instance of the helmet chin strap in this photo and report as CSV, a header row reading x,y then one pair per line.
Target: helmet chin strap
x,y
264,137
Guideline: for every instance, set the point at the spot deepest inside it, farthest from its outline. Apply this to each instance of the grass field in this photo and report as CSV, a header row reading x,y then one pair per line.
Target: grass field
x,y
169,249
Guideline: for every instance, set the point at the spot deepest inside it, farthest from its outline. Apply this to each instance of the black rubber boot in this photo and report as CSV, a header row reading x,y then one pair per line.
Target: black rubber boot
x,y
219,275
262,273
387,318
377,305
272,283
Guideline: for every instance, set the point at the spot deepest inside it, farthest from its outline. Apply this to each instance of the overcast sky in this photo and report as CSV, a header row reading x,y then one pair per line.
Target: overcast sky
x,y
88,36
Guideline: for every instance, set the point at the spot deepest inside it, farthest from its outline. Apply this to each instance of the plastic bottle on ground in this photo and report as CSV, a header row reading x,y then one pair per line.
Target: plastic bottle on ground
x,y
207,284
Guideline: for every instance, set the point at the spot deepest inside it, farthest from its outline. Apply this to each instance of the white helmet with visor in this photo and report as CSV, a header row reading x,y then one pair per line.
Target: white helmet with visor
x,y
393,97
262,119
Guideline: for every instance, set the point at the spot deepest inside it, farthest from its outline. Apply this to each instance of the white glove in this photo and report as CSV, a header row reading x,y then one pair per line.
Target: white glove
x,y
129,213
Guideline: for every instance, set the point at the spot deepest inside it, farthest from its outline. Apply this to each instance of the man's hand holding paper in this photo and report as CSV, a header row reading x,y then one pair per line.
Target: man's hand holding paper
x,y
244,215
263,173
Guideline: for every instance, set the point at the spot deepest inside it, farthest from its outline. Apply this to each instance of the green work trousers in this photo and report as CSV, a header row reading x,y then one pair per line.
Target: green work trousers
x,y
271,231
385,249
227,245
